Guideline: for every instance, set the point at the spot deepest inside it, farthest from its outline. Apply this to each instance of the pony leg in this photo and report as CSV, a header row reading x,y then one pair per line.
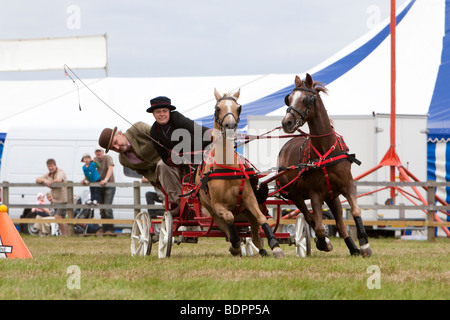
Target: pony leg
x,y
336,208
309,217
273,242
220,222
366,252
360,230
322,242
235,240
253,207
228,218
254,229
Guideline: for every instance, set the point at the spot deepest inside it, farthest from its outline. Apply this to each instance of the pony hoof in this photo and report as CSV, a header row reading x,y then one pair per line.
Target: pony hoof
x,y
277,252
355,253
366,252
323,244
236,251
263,253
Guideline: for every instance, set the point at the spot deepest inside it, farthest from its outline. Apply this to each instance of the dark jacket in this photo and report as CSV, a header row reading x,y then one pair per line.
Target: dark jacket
x,y
191,149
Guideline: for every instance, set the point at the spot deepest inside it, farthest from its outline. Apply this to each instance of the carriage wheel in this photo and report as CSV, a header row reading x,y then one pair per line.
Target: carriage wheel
x,y
302,237
141,239
165,236
248,248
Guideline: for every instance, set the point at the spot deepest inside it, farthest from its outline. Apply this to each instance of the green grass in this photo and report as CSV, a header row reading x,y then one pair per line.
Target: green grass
x,y
409,270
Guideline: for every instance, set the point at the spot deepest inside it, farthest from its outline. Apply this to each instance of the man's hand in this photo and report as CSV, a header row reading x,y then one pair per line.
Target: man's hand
x,y
47,182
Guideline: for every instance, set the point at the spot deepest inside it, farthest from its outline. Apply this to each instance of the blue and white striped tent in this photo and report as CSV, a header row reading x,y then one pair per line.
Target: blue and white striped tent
x,y
358,78
439,117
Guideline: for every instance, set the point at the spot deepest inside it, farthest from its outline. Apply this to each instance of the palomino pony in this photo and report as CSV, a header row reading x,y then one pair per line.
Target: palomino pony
x,y
328,172
225,178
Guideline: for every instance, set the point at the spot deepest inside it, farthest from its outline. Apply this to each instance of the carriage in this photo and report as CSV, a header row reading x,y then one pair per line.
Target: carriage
x,y
313,166
194,223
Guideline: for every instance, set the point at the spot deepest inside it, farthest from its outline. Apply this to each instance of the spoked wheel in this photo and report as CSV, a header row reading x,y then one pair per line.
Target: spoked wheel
x,y
248,248
302,237
141,239
165,236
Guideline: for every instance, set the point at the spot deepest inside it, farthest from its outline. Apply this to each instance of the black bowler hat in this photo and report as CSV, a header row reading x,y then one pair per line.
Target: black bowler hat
x,y
160,102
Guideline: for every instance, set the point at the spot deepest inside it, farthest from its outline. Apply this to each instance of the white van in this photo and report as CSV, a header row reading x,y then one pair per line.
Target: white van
x,y
26,150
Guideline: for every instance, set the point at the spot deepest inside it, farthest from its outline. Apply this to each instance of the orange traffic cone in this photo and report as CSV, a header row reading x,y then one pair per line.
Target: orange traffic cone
x,y
11,243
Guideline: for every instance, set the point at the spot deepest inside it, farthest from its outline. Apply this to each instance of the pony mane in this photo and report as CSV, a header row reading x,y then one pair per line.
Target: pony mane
x,y
320,87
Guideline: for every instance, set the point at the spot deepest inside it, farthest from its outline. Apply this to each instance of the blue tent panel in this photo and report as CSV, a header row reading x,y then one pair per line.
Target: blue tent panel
x,y
431,161
439,115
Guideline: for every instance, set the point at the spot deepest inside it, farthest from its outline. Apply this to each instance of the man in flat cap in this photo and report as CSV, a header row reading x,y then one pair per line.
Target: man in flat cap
x,y
137,152
135,148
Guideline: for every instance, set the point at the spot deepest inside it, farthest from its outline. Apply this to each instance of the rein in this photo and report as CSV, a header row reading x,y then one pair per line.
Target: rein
x,y
67,68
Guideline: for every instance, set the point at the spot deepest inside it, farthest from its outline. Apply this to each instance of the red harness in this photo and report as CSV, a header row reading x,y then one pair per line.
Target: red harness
x,y
324,160
245,171
307,162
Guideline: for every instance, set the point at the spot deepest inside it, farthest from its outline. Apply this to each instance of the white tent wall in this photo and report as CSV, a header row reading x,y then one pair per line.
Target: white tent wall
x,y
440,150
50,102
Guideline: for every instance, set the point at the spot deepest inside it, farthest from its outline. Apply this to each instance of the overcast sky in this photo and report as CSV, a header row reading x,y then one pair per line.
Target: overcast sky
x,y
167,38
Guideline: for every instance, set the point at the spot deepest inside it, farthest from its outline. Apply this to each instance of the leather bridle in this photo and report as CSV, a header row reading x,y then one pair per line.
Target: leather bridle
x,y
217,110
310,101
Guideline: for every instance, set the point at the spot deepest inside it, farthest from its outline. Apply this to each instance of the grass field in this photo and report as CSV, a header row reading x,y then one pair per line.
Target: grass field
x,y
104,269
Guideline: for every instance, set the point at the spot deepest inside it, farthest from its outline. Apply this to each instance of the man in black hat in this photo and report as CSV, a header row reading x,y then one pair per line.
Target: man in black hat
x,y
178,141
189,139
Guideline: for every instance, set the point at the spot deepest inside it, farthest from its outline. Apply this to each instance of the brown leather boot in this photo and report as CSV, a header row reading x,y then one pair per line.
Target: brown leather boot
x,y
175,209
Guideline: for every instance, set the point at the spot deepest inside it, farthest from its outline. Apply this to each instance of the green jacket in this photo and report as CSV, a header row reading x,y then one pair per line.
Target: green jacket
x,y
138,136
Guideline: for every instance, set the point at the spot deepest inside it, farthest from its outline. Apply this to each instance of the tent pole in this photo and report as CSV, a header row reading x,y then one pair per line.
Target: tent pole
x,y
393,79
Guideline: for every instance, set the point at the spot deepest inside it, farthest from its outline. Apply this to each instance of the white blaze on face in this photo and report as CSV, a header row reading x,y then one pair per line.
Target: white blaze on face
x,y
295,96
230,134
229,103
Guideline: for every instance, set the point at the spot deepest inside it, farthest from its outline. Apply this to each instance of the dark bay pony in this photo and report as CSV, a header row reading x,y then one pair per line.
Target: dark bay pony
x,y
328,174
225,179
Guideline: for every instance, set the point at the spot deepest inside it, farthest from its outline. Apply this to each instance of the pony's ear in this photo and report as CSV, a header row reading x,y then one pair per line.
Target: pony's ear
x,y
217,94
298,82
236,95
309,81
